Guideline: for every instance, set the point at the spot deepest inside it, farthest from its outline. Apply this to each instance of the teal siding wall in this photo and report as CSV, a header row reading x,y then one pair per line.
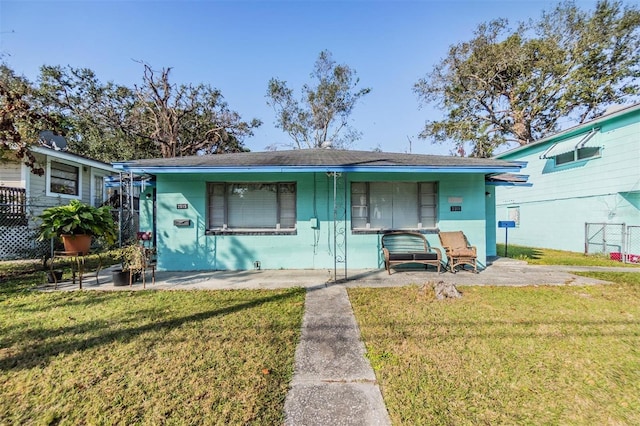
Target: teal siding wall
x,y
188,248
553,212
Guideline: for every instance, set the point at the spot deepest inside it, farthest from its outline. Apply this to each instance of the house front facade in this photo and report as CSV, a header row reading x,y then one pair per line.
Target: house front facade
x,y
307,209
585,194
24,195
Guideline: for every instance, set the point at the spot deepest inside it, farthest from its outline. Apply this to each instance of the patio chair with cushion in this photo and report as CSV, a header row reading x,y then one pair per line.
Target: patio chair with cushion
x,y
458,250
401,248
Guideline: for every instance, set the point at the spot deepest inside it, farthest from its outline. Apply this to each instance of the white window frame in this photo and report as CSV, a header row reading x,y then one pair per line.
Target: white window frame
x,y
94,175
513,213
222,210
576,155
51,193
361,207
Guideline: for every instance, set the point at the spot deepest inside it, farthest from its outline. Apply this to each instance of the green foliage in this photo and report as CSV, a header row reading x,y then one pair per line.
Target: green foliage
x,y
109,122
130,256
513,85
322,115
20,119
77,218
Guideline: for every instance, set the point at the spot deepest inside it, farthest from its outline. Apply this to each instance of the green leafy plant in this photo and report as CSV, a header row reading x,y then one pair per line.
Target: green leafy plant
x,y
131,256
77,218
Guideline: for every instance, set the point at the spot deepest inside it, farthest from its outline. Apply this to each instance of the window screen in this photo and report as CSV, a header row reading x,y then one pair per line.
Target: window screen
x,y
393,205
251,206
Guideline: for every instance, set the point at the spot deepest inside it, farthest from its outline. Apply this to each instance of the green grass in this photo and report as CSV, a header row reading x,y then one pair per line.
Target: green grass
x,y
144,357
500,355
543,256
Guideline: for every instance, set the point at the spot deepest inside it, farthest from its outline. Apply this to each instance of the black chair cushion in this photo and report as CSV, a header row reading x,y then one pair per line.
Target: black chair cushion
x,y
425,256
401,256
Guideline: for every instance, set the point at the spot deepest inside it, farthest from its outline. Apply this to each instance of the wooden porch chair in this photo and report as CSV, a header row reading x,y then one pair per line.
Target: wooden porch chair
x,y
458,250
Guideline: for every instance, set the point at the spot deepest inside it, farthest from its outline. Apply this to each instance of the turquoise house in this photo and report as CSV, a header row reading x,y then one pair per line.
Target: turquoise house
x,y
309,209
585,193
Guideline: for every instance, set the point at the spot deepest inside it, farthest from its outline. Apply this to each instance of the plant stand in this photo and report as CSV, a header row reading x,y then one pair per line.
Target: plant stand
x,y
77,266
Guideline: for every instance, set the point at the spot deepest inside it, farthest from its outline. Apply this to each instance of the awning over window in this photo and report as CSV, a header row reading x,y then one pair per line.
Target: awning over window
x,y
569,145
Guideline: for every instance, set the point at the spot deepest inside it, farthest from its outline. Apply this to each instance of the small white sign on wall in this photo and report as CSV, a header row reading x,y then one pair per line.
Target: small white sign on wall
x,y
455,200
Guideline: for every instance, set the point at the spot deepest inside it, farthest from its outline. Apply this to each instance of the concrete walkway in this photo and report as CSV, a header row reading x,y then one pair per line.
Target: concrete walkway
x,y
333,382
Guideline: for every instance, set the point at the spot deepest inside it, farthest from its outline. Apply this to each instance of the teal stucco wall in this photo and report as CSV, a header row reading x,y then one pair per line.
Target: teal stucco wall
x,y
606,189
185,248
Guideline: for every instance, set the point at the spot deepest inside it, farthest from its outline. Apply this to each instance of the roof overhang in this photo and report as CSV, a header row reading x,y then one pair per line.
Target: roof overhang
x,y
67,156
507,179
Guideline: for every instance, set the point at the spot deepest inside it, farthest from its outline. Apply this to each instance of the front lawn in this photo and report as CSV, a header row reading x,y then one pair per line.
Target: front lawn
x,y
544,256
145,357
501,355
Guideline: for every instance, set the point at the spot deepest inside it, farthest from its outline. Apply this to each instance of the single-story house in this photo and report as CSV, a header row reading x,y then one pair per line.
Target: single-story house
x,y
585,193
310,209
23,195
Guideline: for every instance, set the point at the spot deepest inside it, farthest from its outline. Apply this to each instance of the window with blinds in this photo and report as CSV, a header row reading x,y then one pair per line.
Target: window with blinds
x,y
251,206
393,205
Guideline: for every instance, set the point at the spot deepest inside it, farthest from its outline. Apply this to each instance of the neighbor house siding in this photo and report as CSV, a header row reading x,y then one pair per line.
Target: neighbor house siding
x,y
11,175
553,212
191,248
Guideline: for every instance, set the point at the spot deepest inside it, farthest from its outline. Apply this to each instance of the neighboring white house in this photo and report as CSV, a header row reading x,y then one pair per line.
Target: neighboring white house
x,y
23,195
585,193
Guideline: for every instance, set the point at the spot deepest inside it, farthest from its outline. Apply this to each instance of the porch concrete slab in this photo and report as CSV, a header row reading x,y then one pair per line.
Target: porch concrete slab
x,y
333,382
500,272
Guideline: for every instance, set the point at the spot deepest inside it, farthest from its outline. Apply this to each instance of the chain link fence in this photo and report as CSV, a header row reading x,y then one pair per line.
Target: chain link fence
x,y
617,240
633,244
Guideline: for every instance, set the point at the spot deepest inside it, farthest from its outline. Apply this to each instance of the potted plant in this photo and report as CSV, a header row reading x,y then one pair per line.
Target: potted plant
x,y
131,260
76,223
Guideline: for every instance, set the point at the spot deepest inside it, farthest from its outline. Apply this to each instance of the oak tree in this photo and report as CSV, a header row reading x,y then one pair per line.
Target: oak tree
x,y
514,86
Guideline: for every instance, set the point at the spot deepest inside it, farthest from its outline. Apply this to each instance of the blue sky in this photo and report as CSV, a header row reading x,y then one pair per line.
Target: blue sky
x,y
237,46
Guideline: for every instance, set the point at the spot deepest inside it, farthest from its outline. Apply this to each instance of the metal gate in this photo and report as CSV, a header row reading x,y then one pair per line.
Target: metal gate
x,y
632,254
619,241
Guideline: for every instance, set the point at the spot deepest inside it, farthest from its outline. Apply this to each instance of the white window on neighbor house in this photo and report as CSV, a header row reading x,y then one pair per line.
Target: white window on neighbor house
x,y
98,193
251,207
577,155
393,205
513,213
63,179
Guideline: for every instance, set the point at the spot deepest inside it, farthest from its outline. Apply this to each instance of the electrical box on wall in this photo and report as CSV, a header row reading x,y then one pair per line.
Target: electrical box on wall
x,y
314,222
182,222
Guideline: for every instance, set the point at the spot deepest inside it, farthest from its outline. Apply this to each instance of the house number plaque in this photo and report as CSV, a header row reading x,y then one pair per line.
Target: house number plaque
x,y
182,206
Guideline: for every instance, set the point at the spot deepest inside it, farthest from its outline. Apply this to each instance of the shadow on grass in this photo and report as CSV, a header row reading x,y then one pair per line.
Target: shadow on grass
x,y
41,353
519,252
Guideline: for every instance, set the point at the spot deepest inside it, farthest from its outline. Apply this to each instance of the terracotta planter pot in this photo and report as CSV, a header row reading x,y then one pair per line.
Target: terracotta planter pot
x,y
79,243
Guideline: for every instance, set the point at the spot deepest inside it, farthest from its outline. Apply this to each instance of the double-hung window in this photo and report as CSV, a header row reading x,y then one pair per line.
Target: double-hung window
x,y
251,207
393,205
63,179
